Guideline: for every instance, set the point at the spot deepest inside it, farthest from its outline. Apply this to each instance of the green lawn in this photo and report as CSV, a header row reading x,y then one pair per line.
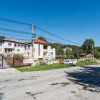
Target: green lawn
x,y
87,62
54,66
43,67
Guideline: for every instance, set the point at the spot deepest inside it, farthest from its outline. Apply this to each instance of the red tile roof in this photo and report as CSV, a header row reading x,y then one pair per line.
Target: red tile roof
x,y
37,41
82,54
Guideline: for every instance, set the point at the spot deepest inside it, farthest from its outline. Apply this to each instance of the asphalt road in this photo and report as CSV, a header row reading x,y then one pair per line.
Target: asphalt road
x,y
78,83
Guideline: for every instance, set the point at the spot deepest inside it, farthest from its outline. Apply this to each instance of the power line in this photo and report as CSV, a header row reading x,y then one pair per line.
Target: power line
x,y
52,40
5,29
18,22
56,35
47,32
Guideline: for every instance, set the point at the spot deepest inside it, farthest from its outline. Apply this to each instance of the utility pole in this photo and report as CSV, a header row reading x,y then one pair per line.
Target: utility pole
x,y
93,50
33,28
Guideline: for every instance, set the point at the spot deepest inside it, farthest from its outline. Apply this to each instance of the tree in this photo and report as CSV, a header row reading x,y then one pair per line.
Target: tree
x,y
97,55
68,53
60,52
1,38
88,45
42,38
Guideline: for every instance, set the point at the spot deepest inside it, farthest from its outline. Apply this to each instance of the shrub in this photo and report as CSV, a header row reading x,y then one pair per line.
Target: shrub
x,y
43,63
18,56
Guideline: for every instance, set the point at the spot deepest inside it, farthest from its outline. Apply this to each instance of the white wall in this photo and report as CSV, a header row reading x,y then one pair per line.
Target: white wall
x,y
5,45
50,54
1,48
28,51
38,51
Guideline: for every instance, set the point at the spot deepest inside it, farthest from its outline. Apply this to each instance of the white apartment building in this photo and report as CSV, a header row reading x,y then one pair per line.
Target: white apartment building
x,y
11,46
42,50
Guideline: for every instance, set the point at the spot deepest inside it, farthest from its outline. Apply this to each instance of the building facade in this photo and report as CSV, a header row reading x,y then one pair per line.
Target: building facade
x,y
11,46
42,50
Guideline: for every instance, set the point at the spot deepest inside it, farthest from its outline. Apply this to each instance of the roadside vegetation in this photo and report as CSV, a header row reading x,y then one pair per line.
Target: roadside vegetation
x,y
43,67
87,62
55,66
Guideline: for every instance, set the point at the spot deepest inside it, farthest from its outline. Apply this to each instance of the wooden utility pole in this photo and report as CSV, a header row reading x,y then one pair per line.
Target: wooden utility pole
x,y
33,28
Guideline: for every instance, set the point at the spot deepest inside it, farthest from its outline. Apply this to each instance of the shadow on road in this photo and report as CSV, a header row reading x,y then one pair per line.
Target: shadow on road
x,y
88,77
1,96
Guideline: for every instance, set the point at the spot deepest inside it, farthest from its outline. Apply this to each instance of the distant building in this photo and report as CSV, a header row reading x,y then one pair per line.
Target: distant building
x,y
82,55
11,46
89,56
69,48
42,50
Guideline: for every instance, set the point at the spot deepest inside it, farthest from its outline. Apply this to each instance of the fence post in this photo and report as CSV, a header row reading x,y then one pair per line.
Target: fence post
x,y
2,62
13,62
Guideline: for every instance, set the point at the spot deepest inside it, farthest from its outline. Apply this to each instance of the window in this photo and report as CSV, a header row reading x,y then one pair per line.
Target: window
x,y
15,45
45,47
9,44
28,46
18,50
51,53
40,59
21,45
51,47
25,47
18,45
28,53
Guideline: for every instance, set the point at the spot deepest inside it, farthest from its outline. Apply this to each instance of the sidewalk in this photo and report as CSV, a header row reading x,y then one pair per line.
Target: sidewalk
x,y
7,72
4,65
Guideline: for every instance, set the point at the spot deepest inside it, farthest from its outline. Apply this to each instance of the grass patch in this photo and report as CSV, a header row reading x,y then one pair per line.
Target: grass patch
x,y
43,67
87,62
55,66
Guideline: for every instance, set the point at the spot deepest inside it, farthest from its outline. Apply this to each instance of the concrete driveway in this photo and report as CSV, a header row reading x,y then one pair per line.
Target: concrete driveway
x,y
78,83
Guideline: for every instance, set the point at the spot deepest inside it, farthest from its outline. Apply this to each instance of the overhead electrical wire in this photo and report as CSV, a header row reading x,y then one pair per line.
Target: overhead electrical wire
x,y
47,32
23,32
50,39
18,22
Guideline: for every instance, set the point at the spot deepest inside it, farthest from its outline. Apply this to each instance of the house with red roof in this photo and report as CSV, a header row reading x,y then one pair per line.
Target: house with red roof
x,y
42,50
82,55
11,46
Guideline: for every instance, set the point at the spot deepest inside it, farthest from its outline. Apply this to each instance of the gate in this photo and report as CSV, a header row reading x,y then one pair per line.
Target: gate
x,y
1,62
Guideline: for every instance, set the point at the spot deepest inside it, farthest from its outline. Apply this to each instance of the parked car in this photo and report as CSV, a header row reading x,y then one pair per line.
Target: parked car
x,y
70,62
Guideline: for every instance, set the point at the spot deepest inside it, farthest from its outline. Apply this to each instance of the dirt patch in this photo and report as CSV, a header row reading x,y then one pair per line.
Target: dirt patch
x,y
32,78
78,96
24,79
85,88
54,83
64,84
79,89
5,81
35,76
73,91
33,94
